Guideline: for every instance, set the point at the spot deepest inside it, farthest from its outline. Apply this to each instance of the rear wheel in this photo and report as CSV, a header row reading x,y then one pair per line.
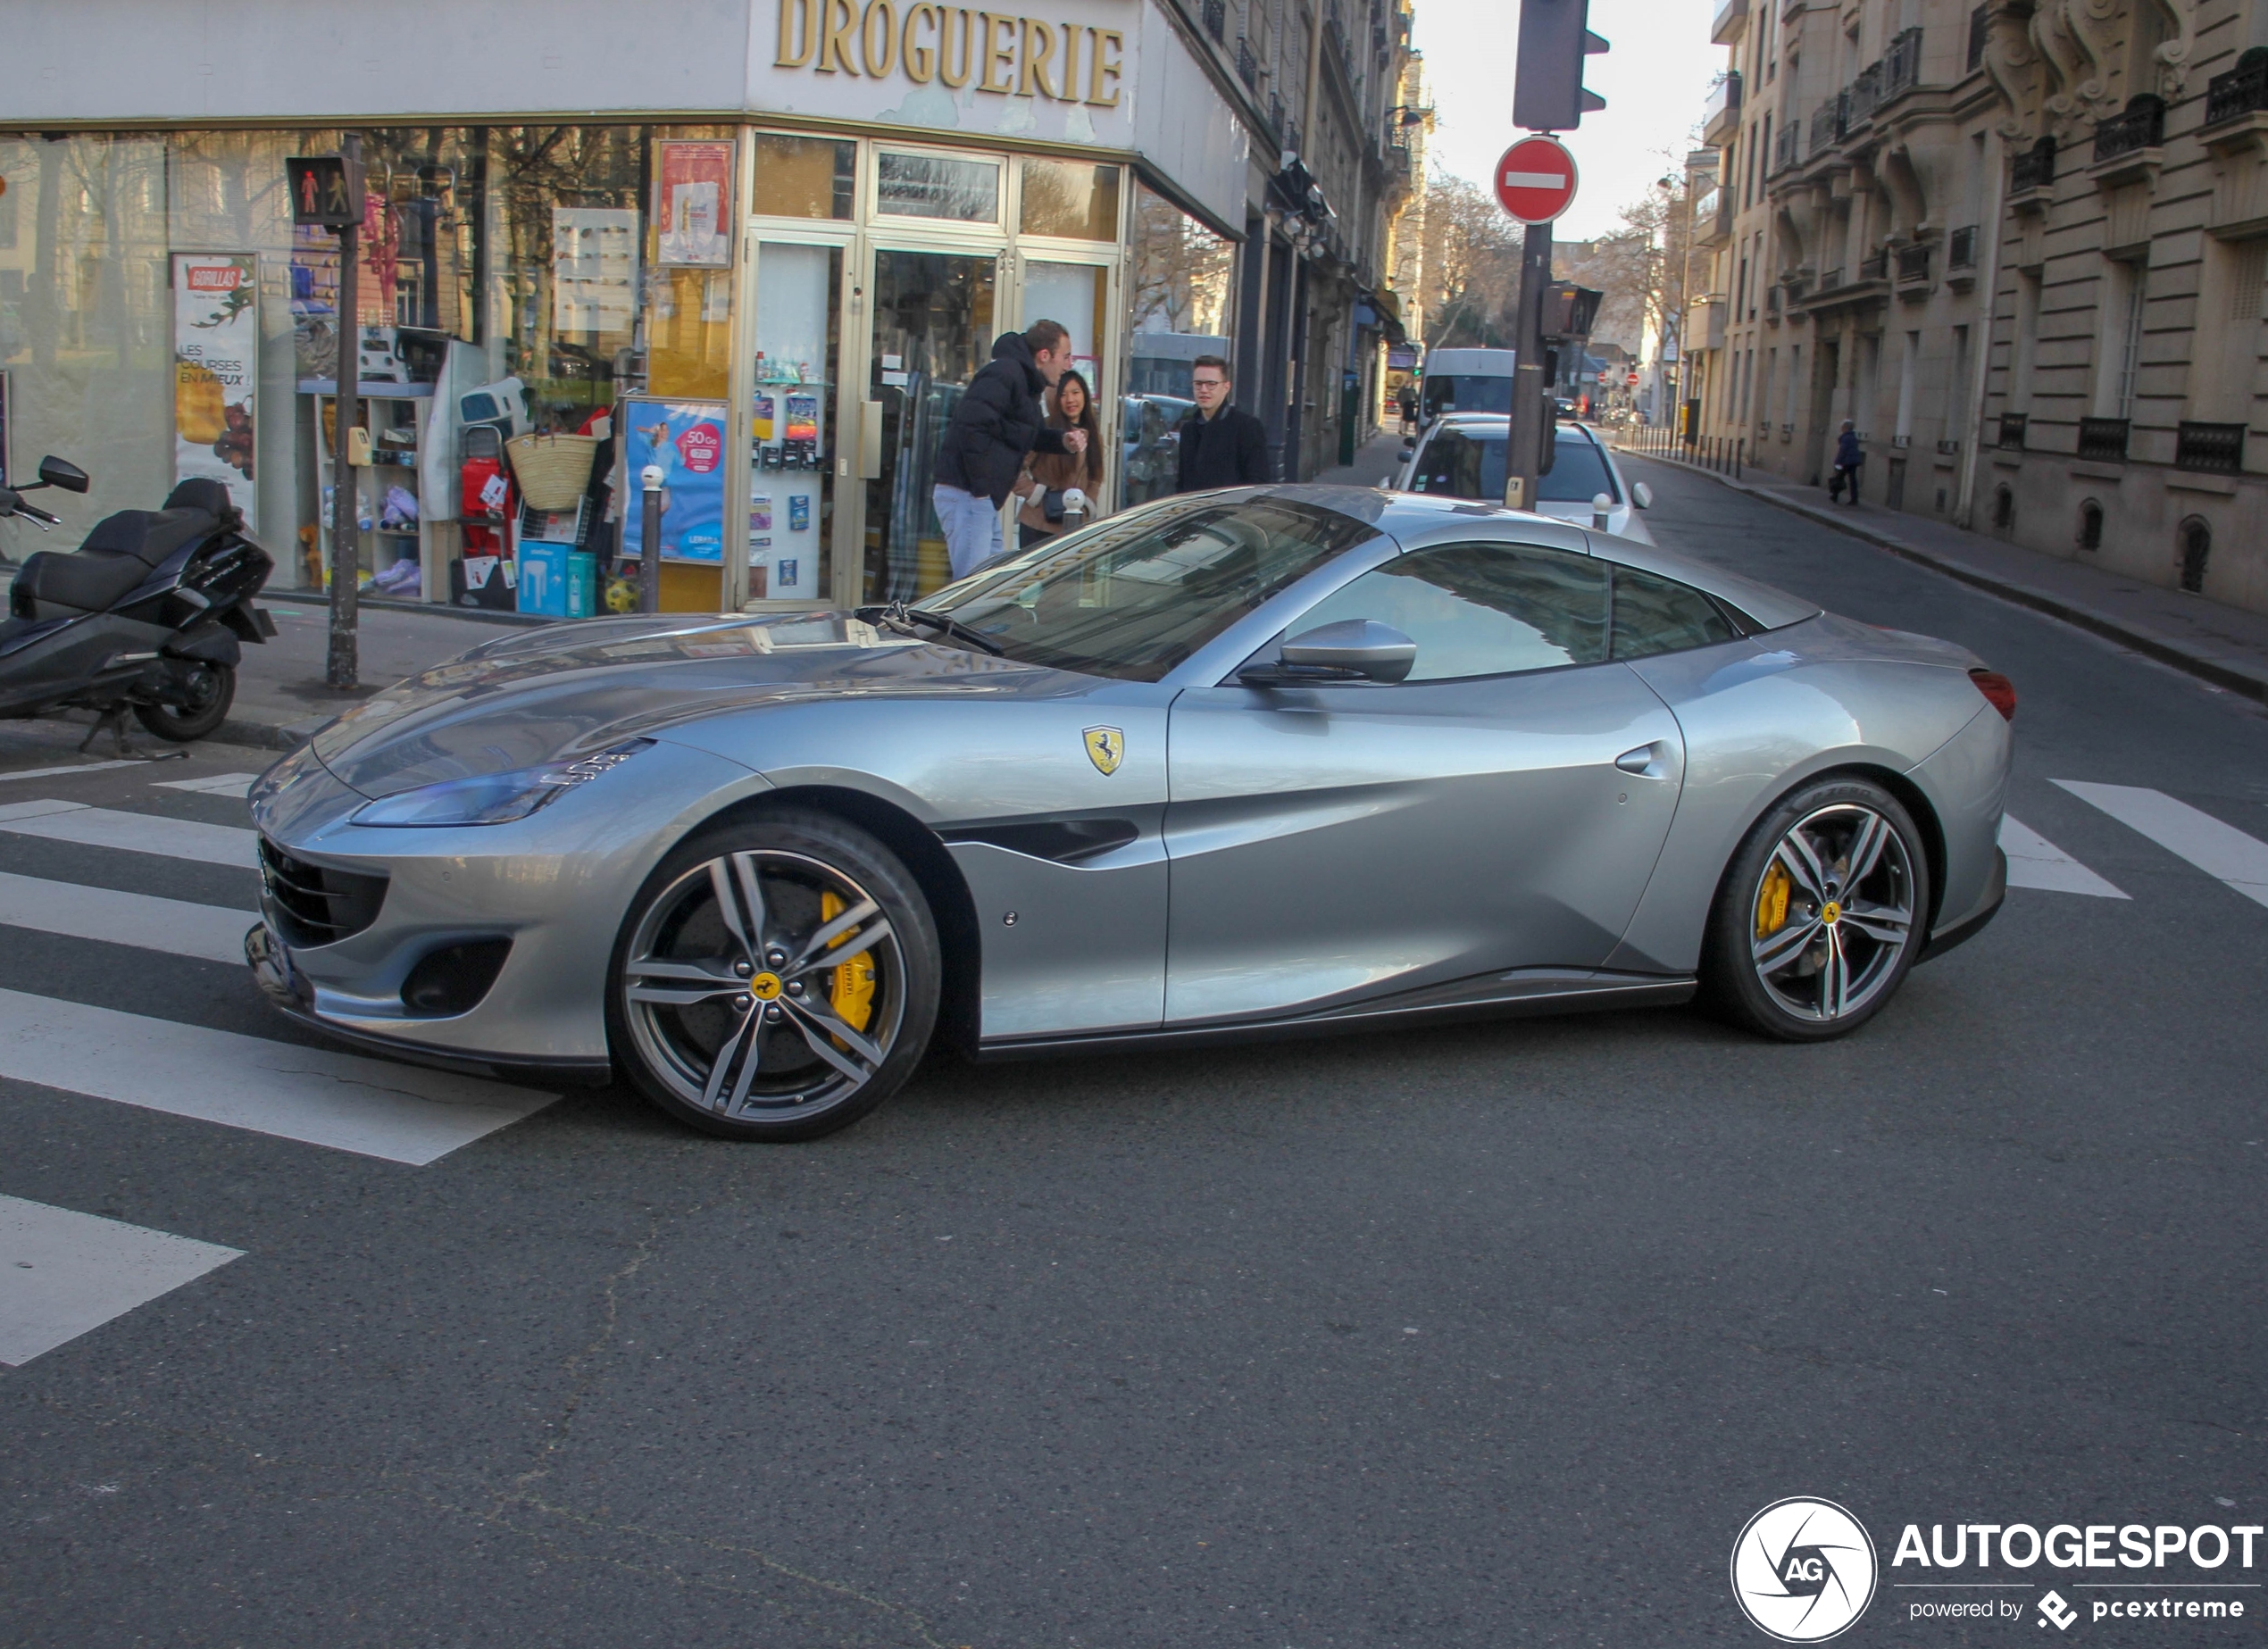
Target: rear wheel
x,y
207,693
776,978
1819,914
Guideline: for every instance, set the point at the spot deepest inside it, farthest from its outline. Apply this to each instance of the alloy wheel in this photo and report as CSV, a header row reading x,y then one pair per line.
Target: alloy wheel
x,y
1832,913
764,984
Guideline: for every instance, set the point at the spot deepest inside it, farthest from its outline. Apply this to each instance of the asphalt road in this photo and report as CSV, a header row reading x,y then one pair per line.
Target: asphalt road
x,y
1477,1337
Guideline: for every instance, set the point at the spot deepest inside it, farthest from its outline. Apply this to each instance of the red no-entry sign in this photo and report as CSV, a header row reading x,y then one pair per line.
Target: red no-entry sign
x,y
1535,180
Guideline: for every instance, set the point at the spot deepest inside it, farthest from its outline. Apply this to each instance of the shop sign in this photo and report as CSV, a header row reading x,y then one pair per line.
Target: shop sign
x,y
685,440
696,207
1066,75
216,369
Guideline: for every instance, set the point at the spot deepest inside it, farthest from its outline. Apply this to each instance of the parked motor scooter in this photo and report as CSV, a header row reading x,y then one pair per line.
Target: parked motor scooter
x,y
148,616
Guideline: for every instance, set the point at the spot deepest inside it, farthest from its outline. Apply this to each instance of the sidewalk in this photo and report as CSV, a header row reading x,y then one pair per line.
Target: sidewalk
x,y
1375,460
2225,645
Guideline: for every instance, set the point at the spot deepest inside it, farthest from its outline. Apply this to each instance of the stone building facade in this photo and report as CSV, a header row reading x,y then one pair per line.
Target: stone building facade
x,y
2021,247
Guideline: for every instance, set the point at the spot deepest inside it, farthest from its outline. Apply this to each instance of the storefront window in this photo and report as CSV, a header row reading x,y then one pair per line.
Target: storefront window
x,y
792,424
936,186
1181,277
803,177
1070,199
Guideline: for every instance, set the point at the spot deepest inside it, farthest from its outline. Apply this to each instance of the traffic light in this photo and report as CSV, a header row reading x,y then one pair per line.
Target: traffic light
x,y
1548,93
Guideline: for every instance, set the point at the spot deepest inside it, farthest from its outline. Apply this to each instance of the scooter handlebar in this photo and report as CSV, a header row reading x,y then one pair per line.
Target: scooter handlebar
x,y
12,504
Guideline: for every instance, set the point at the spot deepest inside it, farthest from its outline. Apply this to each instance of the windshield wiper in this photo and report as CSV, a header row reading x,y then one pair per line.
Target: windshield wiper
x,y
900,617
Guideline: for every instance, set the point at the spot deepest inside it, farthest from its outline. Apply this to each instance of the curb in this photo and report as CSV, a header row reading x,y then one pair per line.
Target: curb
x,y
2023,595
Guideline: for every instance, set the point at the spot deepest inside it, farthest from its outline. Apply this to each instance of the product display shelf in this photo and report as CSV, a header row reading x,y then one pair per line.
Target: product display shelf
x,y
395,415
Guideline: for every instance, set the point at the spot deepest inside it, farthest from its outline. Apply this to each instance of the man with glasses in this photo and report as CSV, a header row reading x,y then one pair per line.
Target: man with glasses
x,y
1222,444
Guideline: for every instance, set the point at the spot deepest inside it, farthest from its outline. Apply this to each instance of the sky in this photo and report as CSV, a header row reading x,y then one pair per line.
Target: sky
x,y
1655,82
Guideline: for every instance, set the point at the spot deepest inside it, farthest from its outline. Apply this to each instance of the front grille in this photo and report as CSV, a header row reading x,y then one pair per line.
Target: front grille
x,y
312,905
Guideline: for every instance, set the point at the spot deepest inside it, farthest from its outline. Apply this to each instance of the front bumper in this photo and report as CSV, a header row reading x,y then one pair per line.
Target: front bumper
x,y
556,885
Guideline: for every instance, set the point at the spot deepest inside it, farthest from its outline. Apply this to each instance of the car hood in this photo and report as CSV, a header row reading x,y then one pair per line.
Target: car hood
x,y
558,693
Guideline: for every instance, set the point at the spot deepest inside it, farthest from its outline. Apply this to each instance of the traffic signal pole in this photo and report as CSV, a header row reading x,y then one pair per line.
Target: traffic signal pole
x,y
1524,450
343,665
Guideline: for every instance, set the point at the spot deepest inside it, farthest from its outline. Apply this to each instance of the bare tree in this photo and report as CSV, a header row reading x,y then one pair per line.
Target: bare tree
x,y
1472,266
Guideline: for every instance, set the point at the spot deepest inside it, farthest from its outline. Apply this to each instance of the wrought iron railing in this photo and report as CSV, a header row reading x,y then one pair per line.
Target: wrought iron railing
x,y
1216,20
2034,169
2216,449
1831,280
1786,147
2103,440
1874,266
1902,64
2241,91
1913,262
1960,248
1247,66
2011,430
1863,93
1798,286
2142,127
1826,126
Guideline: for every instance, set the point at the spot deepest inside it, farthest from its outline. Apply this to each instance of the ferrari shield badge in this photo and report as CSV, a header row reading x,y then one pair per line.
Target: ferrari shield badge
x,y
1105,748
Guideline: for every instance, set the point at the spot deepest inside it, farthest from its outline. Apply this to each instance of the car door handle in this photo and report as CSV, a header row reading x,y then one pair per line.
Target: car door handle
x,y
1647,761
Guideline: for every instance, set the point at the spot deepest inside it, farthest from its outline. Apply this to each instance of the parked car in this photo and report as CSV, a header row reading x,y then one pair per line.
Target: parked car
x,y
1462,457
1261,761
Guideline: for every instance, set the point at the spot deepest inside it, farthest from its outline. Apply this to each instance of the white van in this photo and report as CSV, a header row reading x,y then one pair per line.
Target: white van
x,y
1467,380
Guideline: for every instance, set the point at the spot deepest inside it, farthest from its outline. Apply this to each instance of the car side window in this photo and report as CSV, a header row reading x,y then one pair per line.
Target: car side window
x,y
1482,609
1654,614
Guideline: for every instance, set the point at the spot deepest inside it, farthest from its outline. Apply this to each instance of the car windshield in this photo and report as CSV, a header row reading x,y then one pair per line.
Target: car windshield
x,y
1133,596
1468,392
1459,464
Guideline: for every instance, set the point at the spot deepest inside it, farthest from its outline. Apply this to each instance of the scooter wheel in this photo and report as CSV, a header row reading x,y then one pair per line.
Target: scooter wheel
x,y
211,691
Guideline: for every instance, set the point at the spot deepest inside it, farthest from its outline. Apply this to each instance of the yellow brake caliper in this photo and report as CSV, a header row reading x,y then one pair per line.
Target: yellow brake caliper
x,y
1771,901
852,985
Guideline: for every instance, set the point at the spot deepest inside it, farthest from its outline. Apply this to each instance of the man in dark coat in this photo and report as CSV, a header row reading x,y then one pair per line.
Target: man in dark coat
x,y
996,422
1222,444
1848,459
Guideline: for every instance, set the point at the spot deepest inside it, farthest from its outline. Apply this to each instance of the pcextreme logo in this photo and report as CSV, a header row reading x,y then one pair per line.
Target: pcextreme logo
x,y
1803,1571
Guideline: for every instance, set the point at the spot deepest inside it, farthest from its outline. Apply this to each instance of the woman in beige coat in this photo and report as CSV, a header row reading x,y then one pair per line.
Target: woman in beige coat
x,y
1073,409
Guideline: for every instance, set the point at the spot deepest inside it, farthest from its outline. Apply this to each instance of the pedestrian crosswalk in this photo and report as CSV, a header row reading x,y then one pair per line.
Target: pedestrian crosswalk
x,y
65,1272
2218,849
2035,862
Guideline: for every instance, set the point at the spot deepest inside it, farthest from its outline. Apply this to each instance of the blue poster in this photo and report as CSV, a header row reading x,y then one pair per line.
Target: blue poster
x,y
686,440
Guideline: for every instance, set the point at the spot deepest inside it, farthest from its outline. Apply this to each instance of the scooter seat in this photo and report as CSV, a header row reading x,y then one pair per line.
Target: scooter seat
x,y
119,554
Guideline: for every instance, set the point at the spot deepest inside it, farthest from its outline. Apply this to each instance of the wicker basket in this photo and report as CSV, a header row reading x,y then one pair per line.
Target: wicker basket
x,y
553,470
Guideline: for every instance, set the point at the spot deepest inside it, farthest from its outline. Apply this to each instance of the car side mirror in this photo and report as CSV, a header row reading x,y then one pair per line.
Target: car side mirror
x,y
1409,445
1642,496
1351,650
56,473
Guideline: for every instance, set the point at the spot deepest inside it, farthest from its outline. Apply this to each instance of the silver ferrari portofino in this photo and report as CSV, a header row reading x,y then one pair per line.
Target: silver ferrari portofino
x,y
1270,761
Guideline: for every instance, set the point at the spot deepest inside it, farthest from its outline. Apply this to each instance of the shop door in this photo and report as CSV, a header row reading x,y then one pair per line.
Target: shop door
x,y
935,316
796,432
1077,296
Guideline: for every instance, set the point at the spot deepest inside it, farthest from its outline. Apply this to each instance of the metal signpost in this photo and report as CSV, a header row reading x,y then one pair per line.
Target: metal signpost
x,y
1535,183
327,193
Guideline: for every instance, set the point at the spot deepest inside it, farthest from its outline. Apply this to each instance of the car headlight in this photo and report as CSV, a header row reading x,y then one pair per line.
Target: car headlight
x,y
493,798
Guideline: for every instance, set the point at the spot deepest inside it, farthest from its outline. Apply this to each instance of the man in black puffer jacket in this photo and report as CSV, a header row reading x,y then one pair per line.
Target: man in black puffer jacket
x,y
995,424
1222,444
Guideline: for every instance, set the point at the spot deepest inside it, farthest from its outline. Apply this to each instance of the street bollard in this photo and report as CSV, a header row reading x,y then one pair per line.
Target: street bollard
x,y
649,560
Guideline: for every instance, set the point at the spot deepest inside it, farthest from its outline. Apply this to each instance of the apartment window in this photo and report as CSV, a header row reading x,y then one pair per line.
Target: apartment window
x,y
1764,397
1957,386
2025,344
1909,360
2247,273
1740,289
2122,343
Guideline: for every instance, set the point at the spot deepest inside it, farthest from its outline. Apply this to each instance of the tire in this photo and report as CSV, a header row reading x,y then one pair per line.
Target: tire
x,y
688,997
214,690
1805,944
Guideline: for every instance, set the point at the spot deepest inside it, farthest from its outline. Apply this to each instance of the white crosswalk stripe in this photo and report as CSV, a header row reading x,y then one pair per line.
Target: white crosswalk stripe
x,y
141,833
2217,849
213,784
75,768
173,926
402,1113
63,1273
2035,862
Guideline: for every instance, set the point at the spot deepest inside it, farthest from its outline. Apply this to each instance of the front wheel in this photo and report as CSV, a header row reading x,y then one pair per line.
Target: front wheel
x,y
776,978
208,692
1821,913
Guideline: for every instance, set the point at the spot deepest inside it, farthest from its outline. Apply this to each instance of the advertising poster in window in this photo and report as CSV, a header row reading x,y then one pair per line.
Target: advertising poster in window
x,y
685,440
696,208
216,369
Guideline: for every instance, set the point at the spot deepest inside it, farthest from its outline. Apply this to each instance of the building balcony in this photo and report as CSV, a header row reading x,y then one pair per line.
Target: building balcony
x,y
1874,266
2103,440
1775,302
1247,66
2242,91
2130,147
1902,64
1722,117
1731,22
2031,176
1826,126
1705,322
1961,254
1913,269
1712,217
2210,449
1216,21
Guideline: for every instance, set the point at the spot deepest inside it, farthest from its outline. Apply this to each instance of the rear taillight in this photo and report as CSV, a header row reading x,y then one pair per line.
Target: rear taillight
x,y
1999,690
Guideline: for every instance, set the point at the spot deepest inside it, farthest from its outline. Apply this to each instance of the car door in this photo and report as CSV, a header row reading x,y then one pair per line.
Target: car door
x,y
1333,843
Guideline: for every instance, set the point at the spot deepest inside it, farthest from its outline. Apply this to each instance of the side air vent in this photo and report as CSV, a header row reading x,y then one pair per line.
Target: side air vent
x,y
312,905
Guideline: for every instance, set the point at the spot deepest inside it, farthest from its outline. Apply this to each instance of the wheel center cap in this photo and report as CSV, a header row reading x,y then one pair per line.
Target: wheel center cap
x,y
1833,914
765,987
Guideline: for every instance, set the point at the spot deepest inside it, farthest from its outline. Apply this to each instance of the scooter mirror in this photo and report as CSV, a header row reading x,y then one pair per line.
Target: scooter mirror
x,y
55,473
